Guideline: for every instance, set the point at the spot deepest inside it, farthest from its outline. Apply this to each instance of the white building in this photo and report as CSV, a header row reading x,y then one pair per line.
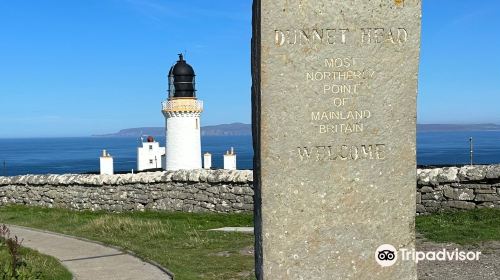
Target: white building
x,y
150,155
106,164
182,113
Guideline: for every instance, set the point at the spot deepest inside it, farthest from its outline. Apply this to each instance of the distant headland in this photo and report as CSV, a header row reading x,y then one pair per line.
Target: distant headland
x,y
232,129
242,129
458,127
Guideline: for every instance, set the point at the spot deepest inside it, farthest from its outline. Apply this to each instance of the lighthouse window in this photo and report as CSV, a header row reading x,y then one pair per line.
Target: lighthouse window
x,y
150,161
150,147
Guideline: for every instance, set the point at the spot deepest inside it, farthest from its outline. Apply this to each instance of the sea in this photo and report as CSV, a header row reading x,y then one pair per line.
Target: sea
x,y
81,155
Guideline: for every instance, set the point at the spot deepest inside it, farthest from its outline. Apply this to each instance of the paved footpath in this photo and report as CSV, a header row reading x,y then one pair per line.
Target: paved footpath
x,y
88,260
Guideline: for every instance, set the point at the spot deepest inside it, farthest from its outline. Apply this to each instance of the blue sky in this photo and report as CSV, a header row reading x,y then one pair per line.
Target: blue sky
x,y
76,68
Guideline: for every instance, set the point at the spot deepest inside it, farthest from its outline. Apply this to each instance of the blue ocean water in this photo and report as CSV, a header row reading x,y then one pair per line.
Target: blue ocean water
x,y
81,155
452,148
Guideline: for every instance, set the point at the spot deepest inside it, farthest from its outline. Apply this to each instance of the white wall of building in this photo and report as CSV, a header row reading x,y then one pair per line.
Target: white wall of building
x,y
150,156
183,141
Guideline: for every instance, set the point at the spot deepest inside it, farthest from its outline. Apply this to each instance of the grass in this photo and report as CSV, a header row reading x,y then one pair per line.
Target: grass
x,y
181,242
467,227
177,241
49,267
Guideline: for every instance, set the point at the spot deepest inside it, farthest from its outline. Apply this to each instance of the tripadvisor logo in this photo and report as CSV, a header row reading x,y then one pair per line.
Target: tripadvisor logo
x,y
387,255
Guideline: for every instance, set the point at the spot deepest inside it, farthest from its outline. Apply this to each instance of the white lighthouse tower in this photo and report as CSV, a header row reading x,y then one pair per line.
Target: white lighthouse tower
x,y
182,113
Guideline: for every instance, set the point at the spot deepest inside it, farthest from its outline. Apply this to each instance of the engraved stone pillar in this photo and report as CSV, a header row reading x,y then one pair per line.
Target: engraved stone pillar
x,y
334,113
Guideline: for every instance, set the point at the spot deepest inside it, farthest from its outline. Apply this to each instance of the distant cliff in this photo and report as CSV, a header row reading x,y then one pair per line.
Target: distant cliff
x,y
457,127
233,129
242,129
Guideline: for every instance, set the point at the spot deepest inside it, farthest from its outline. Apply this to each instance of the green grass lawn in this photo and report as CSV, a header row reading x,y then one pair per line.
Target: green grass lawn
x,y
47,267
468,227
181,242
177,241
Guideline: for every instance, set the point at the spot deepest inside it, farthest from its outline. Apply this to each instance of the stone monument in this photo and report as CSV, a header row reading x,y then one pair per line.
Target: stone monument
x,y
334,113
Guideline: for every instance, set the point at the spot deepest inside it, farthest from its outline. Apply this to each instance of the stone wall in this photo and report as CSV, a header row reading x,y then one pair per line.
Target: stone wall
x,y
453,188
189,191
225,191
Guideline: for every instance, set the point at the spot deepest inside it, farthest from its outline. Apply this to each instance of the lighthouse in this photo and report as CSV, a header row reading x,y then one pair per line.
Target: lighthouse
x,y
182,112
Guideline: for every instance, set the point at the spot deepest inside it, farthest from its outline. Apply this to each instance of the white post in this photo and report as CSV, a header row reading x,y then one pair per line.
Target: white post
x,y
230,160
207,160
106,163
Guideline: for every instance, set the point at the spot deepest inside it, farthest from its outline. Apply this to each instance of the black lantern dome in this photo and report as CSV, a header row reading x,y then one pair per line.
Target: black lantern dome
x,y
181,80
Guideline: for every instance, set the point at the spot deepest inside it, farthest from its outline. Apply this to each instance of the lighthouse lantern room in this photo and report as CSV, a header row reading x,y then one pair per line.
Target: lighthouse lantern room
x,y
182,112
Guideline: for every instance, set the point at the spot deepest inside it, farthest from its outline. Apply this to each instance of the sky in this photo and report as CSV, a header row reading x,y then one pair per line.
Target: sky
x,y
77,68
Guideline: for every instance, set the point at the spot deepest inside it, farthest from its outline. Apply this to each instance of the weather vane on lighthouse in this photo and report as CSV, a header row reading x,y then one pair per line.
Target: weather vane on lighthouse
x,y
182,112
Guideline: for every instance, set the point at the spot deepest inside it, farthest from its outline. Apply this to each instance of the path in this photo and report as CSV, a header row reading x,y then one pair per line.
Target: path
x,y
488,266
88,260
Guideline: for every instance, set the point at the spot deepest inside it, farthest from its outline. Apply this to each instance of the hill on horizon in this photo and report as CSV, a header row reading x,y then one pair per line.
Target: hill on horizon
x,y
232,129
242,129
458,127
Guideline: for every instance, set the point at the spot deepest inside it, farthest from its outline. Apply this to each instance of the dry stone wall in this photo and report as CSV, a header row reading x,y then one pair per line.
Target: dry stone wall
x,y
439,189
189,191
453,188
